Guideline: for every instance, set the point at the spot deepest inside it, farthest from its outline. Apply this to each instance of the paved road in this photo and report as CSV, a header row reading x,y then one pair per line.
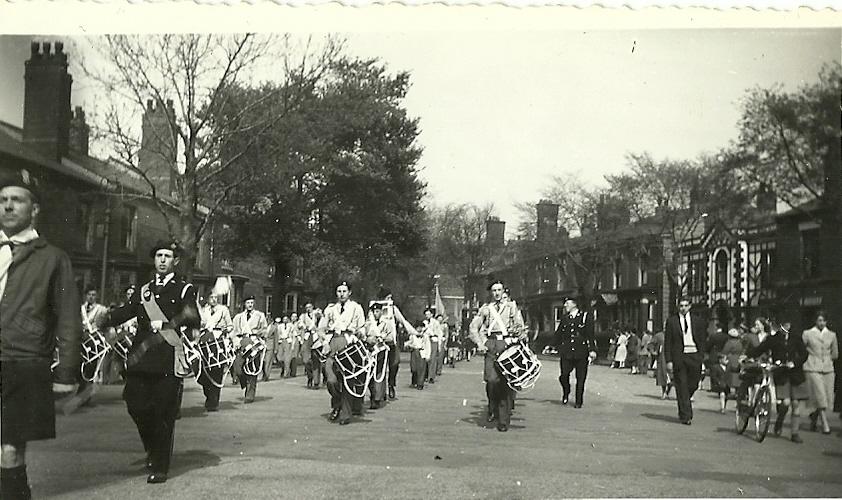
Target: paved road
x,y
435,444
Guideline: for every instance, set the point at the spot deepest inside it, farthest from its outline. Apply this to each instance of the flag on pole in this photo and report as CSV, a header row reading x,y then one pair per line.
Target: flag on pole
x,y
440,304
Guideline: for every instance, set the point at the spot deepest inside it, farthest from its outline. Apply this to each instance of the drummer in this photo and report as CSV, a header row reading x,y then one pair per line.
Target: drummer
x,y
497,325
216,324
345,322
379,333
249,326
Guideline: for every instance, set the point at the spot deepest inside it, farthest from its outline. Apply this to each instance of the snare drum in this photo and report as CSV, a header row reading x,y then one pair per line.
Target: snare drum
x,y
519,366
379,359
317,351
94,348
216,353
356,365
253,357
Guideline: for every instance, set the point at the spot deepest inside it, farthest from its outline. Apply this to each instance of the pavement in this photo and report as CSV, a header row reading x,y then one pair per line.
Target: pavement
x,y
435,443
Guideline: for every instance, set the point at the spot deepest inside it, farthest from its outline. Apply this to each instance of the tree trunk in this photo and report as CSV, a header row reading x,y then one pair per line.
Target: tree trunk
x,y
283,268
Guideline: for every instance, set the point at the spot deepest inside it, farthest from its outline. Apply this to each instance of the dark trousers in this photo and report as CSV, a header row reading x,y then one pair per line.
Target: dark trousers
x,y
418,365
394,365
247,382
377,390
500,395
152,402
313,370
340,398
687,371
433,362
211,391
566,366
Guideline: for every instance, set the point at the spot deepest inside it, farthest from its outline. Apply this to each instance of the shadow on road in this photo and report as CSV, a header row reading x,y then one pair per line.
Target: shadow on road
x,y
258,399
663,418
651,396
185,461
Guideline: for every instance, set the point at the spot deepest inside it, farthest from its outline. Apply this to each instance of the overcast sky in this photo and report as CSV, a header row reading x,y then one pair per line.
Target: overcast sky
x,y
500,112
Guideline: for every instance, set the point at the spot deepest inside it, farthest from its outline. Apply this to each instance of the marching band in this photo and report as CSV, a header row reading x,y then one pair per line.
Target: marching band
x,y
159,335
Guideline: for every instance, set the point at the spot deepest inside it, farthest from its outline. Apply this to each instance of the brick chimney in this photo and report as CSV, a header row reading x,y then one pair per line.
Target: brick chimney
x,y
611,213
547,224
46,106
158,146
79,132
495,232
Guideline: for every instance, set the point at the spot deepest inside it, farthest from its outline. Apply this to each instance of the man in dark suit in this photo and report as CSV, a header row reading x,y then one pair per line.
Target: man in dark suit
x,y
577,347
156,364
685,342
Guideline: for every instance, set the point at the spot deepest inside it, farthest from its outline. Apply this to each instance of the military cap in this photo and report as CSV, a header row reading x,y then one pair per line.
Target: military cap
x,y
165,245
377,306
345,284
249,297
22,178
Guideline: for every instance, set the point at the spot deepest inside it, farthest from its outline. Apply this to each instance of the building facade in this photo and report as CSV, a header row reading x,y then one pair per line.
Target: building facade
x,y
98,211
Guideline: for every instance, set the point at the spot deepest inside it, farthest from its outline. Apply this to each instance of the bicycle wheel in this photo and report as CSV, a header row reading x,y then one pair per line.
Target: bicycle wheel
x,y
762,414
743,412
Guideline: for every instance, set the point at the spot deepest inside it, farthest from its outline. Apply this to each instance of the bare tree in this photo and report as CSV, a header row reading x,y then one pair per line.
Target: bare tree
x,y
179,83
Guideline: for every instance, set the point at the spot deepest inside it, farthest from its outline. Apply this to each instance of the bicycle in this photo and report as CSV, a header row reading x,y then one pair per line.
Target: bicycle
x,y
759,406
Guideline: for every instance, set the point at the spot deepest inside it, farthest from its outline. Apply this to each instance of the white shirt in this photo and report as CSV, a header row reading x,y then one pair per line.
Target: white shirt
x,y
6,256
687,329
163,281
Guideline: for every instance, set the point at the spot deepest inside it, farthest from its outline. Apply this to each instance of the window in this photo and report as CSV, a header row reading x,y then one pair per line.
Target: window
x,y
128,227
696,276
618,274
766,268
810,253
643,270
291,302
269,305
84,216
559,313
721,270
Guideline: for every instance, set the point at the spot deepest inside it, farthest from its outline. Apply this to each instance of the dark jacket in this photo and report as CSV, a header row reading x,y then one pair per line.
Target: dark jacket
x,y
674,337
783,348
454,340
40,309
574,336
177,300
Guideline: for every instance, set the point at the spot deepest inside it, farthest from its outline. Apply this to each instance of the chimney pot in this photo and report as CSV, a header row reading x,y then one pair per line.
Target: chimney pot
x,y
35,49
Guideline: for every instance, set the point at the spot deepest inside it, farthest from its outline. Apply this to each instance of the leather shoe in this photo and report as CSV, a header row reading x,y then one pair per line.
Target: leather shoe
x,y
345,421
391,393
334,414
686,422
577,405
156,477
796,439
564,400
374,405
490,417
502,427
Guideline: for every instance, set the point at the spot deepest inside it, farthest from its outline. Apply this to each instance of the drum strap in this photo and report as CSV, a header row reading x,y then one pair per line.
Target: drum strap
x,y
87,320
496,318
